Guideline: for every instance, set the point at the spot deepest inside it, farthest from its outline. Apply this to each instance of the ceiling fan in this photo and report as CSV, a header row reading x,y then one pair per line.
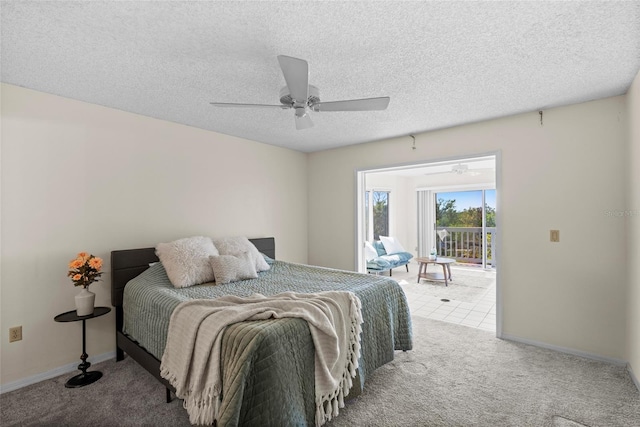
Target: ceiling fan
x,y
458,169
303,97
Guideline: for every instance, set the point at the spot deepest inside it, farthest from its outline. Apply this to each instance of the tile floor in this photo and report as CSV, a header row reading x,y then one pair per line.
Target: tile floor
x,y
481,313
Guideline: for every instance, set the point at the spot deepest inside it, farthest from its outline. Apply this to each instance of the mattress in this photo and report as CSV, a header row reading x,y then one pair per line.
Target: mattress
x,y
149,300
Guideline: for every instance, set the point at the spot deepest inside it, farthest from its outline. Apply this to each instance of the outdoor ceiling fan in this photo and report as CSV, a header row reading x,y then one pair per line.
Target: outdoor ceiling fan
x,y
303,97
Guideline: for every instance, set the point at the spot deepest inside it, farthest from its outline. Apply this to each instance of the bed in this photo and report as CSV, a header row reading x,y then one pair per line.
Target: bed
x,y
268,365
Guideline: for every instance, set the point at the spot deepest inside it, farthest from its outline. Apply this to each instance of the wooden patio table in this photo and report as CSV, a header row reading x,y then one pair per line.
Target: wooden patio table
x,y
445,276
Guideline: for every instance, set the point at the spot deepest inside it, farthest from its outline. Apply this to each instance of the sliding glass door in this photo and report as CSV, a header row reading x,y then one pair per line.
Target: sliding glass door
x,y
465,226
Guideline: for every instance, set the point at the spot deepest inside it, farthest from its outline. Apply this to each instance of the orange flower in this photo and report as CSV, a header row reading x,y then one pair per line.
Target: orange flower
x,y
95,263
76,263
85,269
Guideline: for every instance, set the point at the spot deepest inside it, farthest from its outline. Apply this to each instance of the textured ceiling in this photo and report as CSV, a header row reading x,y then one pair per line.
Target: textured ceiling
x,y
442,63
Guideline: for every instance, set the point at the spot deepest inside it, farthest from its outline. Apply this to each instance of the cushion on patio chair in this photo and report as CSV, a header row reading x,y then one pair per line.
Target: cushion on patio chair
x,y
386,261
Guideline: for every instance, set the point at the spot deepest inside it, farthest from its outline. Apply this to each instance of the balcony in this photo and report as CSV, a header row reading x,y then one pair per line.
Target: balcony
x,y
466,245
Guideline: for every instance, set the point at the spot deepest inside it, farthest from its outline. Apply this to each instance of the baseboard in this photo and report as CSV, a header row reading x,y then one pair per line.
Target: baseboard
x,y
633,377
61,370
611,360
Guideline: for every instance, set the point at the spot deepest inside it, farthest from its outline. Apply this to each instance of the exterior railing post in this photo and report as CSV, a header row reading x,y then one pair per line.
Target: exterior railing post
x,y
469,244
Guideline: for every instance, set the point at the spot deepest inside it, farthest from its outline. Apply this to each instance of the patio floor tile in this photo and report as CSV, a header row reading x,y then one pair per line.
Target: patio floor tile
x,y
477,313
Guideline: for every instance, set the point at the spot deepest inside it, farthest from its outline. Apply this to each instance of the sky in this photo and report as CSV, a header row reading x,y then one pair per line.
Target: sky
x,y
467,199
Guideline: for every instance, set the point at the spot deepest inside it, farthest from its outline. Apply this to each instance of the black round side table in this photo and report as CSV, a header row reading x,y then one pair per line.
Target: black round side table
x,y
85,378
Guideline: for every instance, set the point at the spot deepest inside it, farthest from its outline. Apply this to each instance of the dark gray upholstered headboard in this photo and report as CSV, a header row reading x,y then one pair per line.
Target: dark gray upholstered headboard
x,y
128,263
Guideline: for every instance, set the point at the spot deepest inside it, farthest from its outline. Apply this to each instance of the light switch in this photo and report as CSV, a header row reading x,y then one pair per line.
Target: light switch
x,y
555,235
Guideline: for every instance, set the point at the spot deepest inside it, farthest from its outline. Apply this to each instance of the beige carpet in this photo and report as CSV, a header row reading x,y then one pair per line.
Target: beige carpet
x,y
455,376
563,422
460,376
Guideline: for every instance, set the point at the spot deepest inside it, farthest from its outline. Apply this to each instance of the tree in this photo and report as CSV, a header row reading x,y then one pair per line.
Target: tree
x,y
448,216
470,217
446,213
491,216
380,214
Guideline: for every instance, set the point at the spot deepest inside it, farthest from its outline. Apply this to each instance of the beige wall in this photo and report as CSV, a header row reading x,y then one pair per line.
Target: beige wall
x,y
567,175
633,220
67,185
77,176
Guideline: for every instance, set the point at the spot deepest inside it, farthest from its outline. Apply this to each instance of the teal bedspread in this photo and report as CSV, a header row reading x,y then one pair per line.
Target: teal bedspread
x,y
267,365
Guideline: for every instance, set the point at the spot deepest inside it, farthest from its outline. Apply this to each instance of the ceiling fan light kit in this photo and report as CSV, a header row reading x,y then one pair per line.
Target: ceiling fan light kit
x,y
303,97
459,168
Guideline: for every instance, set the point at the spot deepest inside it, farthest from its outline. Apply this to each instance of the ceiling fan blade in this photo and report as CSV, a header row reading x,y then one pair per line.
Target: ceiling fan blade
x,y
303,121
231,104
296,74
367,104
436,173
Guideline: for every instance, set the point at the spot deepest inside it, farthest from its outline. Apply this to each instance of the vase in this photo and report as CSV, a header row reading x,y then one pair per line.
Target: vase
x,y
84,302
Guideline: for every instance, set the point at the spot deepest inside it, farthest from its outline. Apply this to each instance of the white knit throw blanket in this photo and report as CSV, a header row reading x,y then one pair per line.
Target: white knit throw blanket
x,y
191,360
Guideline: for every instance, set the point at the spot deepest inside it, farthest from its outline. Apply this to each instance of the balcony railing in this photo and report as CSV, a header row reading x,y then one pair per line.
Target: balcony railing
x,y
465,244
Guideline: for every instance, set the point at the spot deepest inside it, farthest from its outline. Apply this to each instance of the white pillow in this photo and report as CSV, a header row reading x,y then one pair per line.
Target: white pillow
x,y
187,260
391,245
232,268
369,251
236,245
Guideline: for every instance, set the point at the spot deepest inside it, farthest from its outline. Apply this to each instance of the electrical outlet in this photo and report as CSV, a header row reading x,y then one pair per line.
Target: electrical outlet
x,y
15,333
555,235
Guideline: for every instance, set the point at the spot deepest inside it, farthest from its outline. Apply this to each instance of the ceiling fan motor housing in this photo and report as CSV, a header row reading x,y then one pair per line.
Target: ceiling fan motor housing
x,y
313,96
459,169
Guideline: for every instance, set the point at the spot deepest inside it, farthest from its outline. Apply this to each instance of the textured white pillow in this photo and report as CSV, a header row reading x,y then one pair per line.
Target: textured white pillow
x,y
187,260
369,251
391,245
232,268
236,245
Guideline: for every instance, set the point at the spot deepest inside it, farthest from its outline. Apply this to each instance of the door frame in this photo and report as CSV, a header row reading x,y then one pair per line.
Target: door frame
x,y
360,188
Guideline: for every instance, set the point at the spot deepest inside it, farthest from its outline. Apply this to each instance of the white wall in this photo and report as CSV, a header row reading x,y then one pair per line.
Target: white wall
x,y
77,176
566,175
633,221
